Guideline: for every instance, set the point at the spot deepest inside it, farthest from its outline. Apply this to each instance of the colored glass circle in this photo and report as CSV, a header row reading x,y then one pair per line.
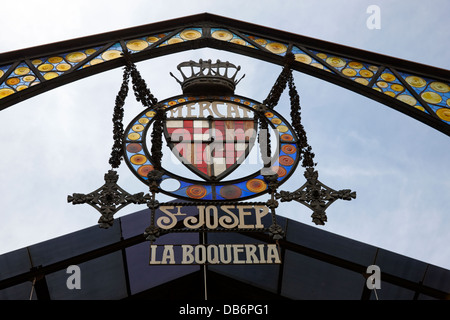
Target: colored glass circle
x,y
143,120
76,57
28,78
12,81
420,108
174,40
397,87
138,127
362,81
261,42
137,45
349,72
431,97
289,149
63,67
281,171
55,59
138,159
5,92
145,169
355,65
407,99
45,67
152,39
196,191
366,73
335,62
111,54
287,137
276,121
282,128
286,160
382,84
230,192
134,147
238,41
190,34
134,136
415,81
440,87
256,185
50,75
222,35
303,58
444,114
22,71
276,47
388,77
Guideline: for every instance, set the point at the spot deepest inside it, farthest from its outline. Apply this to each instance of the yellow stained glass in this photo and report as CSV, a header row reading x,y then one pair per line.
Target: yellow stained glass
x,y
55,59
111,54
5,92
63,67
222,35
444,114
22,71
366,73
416,82
355,65
440,87
304,58
407,99
388,77
45,67
137,45
335,62
190,34
276,47
76,57
349,72
12,81
50,75
397,87
431,97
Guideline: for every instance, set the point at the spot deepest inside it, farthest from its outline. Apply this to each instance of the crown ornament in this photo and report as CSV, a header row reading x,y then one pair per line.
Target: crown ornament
x,y
206,77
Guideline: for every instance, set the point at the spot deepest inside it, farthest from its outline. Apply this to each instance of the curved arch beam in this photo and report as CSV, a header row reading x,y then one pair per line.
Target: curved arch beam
x,y
419,91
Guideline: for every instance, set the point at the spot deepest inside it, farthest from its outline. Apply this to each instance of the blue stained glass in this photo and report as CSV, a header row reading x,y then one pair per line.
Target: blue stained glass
x,y
305,58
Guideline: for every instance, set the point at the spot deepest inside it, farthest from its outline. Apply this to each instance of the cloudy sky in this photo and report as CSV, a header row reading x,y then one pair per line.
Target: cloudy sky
x,y
59,142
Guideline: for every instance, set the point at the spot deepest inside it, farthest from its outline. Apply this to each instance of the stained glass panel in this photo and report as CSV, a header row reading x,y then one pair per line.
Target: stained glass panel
x,y
228,36
185,35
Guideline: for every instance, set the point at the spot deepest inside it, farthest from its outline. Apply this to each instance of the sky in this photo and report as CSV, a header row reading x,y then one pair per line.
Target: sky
x,y
58,143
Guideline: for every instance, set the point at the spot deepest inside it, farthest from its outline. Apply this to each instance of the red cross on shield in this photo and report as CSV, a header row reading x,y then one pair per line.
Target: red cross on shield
x,y
211,147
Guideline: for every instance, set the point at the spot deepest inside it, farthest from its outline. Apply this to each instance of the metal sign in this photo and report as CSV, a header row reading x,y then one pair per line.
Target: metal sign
x,y
211,132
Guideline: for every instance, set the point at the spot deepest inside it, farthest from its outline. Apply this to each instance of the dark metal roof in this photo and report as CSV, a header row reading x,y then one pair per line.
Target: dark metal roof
x,y
114,264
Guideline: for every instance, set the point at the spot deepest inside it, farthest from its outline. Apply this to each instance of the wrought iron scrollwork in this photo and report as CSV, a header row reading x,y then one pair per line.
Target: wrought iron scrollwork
x,y
316,196
108,199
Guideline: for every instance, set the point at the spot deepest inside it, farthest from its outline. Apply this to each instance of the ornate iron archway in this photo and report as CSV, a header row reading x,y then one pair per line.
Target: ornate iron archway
x,y
417,90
